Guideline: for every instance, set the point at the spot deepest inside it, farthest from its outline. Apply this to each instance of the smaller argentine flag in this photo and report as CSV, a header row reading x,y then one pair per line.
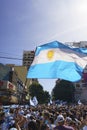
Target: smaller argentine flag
x,y
56,60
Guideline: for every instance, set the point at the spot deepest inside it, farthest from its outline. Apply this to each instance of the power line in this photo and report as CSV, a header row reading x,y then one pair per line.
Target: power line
x,y
10,58
8,53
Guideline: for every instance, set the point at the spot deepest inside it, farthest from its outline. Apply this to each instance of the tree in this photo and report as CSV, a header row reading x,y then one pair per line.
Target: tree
x,y
63,90
36,89
46,97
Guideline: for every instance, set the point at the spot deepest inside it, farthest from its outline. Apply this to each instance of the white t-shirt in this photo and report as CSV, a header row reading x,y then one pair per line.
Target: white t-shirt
x,y
85,127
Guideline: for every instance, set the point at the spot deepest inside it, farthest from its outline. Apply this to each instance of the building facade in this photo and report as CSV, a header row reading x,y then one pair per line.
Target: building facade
x,y
77,44
8,89
7,92
28,57
14,84
19,78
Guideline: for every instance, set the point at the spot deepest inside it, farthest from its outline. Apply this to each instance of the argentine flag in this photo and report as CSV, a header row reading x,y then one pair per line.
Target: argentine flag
x,y
56,60
35,101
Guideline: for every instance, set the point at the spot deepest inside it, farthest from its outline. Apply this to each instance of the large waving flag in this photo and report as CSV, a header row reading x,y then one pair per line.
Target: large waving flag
x,y
56,60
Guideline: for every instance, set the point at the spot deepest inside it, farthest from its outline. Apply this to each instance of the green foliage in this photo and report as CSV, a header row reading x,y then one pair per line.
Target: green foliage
x,y
4,72
63,90
36,89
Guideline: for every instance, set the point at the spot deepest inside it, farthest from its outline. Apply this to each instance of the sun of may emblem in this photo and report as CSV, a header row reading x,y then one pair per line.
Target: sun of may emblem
x,y
50,54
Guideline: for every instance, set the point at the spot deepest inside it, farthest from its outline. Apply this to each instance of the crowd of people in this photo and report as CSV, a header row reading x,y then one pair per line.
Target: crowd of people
x,y
44,117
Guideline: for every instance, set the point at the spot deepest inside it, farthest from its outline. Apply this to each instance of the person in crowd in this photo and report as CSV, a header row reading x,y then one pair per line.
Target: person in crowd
x,y
44,127
61,124
51,123
3,124
32,125
38,122
85,123
54,117
46,117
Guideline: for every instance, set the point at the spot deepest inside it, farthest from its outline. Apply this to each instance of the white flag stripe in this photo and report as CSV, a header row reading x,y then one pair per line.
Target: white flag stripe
x,y
60,54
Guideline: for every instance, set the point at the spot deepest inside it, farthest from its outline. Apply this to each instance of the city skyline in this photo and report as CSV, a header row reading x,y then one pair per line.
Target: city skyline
x,y
24,25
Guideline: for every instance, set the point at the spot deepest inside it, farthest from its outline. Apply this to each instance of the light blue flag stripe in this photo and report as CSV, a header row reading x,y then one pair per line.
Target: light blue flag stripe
x,y
50,45
58,69
56,44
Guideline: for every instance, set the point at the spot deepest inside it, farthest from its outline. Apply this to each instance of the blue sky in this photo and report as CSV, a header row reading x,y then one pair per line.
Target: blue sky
x,y
25,24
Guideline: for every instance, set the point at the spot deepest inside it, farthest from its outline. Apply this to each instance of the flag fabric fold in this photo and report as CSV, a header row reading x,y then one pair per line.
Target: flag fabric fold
x,y
56,60
34,101
31,102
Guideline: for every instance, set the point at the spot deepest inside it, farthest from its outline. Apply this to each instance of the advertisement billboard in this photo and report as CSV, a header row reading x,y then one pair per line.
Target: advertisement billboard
x,y
7,85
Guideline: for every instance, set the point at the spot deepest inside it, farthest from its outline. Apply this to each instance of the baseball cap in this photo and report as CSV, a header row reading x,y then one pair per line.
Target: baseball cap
x,y
68,119
60,118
